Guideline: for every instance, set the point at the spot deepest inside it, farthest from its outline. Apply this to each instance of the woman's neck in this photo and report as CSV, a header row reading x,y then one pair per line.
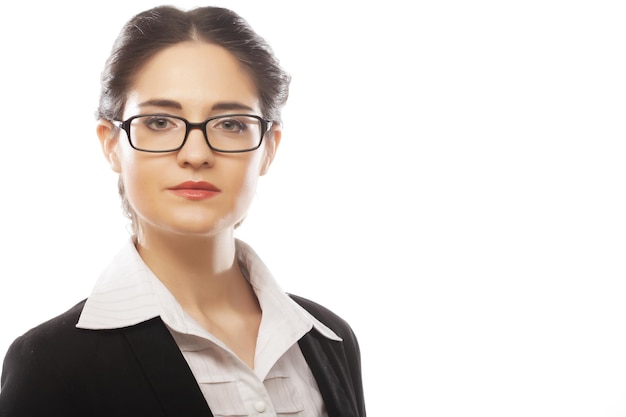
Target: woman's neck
x,y
204,276
199,271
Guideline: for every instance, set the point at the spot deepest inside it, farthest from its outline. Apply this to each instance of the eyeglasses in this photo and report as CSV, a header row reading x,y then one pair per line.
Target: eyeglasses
x,y
230,133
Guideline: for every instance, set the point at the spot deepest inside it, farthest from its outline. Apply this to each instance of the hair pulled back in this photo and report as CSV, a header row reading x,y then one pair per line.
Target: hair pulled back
x,y
158,28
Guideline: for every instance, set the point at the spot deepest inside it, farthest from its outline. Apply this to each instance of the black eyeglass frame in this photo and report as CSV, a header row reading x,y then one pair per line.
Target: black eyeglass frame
x,y
266,125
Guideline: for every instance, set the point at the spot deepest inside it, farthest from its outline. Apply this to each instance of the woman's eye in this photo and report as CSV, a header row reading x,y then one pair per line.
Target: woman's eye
x,y
231,125
159,123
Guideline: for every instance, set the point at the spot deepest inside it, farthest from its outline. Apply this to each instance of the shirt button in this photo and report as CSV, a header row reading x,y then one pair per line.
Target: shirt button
x,y
260,406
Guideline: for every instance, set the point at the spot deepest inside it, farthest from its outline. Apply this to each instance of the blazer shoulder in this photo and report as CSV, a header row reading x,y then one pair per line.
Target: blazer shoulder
x,y
326,316
36,363
344,358
55,327
49,341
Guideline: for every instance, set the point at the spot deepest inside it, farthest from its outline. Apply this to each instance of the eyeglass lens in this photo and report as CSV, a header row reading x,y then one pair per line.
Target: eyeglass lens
x,y
228,133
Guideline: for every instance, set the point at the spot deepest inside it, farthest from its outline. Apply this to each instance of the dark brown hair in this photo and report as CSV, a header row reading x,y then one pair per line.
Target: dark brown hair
x,y
156,29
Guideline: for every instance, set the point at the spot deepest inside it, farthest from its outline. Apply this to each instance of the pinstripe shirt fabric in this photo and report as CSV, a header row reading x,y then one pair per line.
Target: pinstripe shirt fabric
x,y
281,383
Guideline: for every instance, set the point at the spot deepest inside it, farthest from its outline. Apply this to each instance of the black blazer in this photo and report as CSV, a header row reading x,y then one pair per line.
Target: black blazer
x,y
57,369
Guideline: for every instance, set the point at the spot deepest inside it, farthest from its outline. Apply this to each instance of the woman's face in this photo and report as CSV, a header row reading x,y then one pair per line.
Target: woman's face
x,y
194,80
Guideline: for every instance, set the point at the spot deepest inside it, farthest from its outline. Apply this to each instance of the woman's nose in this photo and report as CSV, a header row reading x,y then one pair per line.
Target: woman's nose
x,y
196,151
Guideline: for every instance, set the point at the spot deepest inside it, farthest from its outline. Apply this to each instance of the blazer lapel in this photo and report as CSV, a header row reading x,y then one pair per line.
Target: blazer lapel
x,y
326,360
167,370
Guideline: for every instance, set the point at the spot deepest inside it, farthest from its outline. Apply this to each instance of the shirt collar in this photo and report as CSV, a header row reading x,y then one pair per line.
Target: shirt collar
x,y
128,293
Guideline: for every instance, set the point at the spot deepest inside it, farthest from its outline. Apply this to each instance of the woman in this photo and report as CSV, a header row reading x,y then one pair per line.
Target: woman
x,y
187,321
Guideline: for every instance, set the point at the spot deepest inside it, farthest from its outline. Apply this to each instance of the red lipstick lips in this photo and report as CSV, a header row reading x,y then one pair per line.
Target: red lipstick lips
x,y
195,190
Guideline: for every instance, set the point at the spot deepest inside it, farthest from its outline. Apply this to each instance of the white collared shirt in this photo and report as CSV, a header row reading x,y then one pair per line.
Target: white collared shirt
x,y
281,383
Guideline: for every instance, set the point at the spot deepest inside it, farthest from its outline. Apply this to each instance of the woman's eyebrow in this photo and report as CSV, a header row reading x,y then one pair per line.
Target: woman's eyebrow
x,y
162,103
231,105
226,105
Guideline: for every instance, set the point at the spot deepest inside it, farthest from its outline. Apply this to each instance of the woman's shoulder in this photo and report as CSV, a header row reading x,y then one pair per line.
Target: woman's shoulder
x,y
47,337
55,327
349,350
58,342
329,318
36,360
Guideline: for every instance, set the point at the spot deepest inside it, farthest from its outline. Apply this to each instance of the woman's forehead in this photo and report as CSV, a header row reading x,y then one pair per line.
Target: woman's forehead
x,y
196,74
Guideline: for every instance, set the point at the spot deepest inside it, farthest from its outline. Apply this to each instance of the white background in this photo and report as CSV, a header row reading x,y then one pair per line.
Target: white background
x,y
451,181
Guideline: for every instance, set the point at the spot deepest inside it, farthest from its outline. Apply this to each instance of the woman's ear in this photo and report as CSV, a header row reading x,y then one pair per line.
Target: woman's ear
x,y
271,145
108,135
